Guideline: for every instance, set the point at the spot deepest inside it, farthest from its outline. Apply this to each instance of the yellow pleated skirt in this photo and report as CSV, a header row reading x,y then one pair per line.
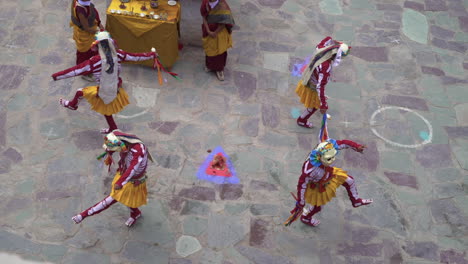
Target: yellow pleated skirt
x,y
130,195
90,93
218,45
83,39
309,96
314,197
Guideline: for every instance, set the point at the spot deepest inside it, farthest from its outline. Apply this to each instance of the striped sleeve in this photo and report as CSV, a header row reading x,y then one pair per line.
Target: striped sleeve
x,y
83,68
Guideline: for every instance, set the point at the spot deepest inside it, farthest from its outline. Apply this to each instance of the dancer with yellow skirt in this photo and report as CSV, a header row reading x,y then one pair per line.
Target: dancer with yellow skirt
x,y
216,29
129,184
319,181
108,97
86,23
311,87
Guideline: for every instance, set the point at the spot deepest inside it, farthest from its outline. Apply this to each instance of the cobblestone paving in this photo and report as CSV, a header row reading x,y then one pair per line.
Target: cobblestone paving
x,y
408,54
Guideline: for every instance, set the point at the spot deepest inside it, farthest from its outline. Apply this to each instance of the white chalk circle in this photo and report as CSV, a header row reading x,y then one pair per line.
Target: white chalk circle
x,y
380,110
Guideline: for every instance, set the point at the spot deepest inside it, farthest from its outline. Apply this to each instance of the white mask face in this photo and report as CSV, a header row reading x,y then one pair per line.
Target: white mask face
x,y
329,157
84,2
213,4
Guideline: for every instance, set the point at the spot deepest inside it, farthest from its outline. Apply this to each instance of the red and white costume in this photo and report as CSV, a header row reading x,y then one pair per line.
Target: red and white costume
x,y
318,178
129,184
108,97
93,66
321,74
311,88
132,164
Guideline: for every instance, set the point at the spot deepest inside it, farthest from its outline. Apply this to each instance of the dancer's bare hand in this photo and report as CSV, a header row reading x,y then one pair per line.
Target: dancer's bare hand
x,y
117,187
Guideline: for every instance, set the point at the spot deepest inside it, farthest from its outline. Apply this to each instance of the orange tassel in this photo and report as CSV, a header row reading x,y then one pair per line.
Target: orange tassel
x,y
159,74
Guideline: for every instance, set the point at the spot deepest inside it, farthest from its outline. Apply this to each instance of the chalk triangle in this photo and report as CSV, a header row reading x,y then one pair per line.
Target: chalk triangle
x,y
223,176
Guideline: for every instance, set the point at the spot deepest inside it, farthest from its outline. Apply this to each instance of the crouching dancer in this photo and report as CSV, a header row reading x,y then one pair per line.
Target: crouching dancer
x,y
129,184
319,181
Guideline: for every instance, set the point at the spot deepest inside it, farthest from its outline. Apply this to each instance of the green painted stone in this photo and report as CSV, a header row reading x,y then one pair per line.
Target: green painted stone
x,y
233,139
50,19
451,243
454,69
84,123
396,161
362,4
460,150
187,245
25,215
54,253
331,7
439,136
345,34
443,116
446,20
247,162
276,61
246,109
210,256
194,226
410,198
78,257
41,156
344,91
441,230
154,213
235,209
44,42
387,75
462,114
26,186
462,203
232,254
462,37
30,59
21,132
447,190
54,129
415,26
18,102
304,52
291,7
446,175
433,91
458,94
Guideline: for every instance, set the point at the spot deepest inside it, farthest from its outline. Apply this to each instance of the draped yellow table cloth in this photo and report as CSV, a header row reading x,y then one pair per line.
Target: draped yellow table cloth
x,y
139,34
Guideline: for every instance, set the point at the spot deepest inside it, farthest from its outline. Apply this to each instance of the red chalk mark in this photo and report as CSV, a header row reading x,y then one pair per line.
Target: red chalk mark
x,y
218,166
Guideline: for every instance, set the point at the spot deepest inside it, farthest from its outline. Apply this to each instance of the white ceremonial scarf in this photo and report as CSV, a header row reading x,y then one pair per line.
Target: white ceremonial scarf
x,y
108,83
337,59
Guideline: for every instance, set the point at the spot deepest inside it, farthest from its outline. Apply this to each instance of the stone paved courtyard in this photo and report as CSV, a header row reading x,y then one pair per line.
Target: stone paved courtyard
x,y
409,54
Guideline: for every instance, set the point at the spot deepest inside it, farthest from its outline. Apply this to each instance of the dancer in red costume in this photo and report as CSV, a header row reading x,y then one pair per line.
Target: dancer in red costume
x,y
129,184
108,97
319,181
311,88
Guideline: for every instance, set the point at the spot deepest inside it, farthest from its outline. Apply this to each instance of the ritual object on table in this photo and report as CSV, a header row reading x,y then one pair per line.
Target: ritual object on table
x,y
154,4
122,5
143,7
